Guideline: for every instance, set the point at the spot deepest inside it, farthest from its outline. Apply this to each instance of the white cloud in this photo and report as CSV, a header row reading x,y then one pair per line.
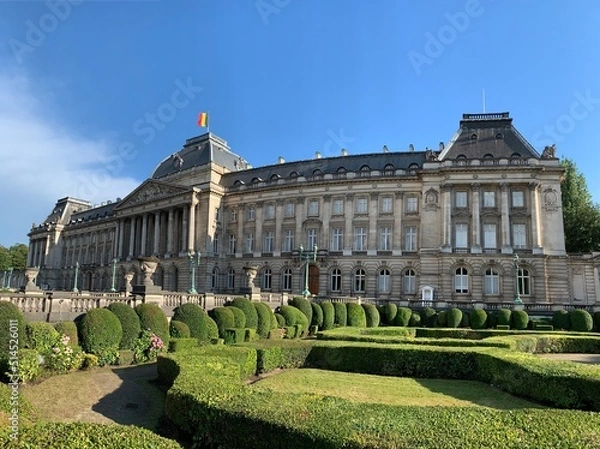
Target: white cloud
x,y
42,161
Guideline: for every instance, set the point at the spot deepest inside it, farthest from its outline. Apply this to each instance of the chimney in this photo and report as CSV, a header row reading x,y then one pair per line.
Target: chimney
x,y
385,149
411,148
441,146
280,160
317,155
344,152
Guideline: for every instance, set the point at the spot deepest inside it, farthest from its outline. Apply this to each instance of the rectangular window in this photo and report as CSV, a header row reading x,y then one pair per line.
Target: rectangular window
x,y
461,199
412,204
492,282
250,213
361,205
270,212
337,207
269,239
489,199
386,205
233,215
313,208
519,236
249,242
218,213
461,235
311,239
288,210
410,238
385,238
337,239
489,236
231,244
216,243
517,198
288,240
360,239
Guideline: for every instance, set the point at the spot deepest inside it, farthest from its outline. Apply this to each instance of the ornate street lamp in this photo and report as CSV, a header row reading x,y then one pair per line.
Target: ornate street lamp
x,y
307,256
75,289
194,262
112,288
518,299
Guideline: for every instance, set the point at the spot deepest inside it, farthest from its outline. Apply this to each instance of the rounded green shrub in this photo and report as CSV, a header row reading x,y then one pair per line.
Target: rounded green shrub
x,y
69,329
154,319
454,317
130,323
478,319
178,329
356,315
519,320
224,318
372,315
193,316
442,319
9,312
403,316
561,320
41,336
302,320
597,321
504,317
304,305
249,310
428,317
289,314
280,320
101,334
492,319
212,330
581,321
415,320
263,314
328,315
341,314
317,315
239,317
389,313
465,320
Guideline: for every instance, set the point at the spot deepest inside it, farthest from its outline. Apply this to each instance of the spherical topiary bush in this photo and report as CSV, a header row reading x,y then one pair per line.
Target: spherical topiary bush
x,y
389,313
101,334
193,315
178,329
249,311
442,319
356,315
372,315
263,314
69,329
503,317
519,320
239,317
154,319
561,320
130,323
328,315
428,316
301,320
403,316
465,320
317,315
341,314
289,314
478,319
280,320
224,318
581,321
415,320
12,327
41,336
454,317
597,321
212,330
492,319
304,305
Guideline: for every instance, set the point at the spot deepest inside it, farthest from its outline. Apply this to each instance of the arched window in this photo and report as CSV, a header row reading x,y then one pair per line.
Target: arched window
x,y
231,278
214,279
365,171
523,282
473,136
266,279
492,282
317,174
336,280
499,136
409,284
286,279
389,170
384,281
461,280
360,280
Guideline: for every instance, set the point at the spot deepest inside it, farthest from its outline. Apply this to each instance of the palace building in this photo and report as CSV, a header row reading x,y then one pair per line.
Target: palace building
x,y
474,220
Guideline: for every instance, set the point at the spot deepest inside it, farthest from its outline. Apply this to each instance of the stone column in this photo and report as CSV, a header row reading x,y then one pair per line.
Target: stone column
x,y
119,253
476,231
170,233
535,218
447,205
505,220
184,228
144,234
155,248
30,254
132,236
372,244
191,232
348,216
397,235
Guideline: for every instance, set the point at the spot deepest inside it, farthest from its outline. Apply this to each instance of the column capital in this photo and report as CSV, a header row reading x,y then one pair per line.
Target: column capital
x,y
374,195
349,196
475,186
504,186
399,195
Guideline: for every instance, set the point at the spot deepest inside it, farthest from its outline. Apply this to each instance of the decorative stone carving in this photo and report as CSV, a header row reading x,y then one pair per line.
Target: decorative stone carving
x,y
148,267
151,192
431,199
128,278
250,271
31,274
551,200
549,152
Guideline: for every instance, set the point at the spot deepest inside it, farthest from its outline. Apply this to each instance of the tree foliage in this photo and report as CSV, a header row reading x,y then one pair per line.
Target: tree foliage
x,y
14,257
581,216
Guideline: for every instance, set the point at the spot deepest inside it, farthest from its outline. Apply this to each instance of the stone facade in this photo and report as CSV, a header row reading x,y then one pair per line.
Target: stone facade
x,y
470,221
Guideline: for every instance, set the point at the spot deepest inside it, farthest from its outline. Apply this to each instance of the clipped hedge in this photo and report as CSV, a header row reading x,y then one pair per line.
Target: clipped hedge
x,y
239,317
372,315
263,319
130,323
289,313
442,319
519,319
153,318
224,318
101,334
280,320
247,306
234,335
212,330
561,320
68,328
428,317
581,321
178,329
304,305
389,313
193,316
478,319
415,320
41,336
317,315
328,315
356,315
597,321
272,355
182,344
341,314
8,312
454,317
402,316
503,317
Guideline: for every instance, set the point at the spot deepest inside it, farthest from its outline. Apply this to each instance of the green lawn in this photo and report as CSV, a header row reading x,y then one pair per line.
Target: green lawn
x,y
392,390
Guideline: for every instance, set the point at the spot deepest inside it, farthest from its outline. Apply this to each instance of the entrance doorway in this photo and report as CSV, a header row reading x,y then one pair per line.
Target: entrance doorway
x,y
313,279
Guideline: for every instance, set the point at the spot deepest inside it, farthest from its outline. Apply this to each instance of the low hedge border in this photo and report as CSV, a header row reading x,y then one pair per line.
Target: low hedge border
x,y
272,355
182,344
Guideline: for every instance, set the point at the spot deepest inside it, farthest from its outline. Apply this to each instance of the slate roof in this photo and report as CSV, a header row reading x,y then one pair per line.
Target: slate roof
x,y
488,134
96,213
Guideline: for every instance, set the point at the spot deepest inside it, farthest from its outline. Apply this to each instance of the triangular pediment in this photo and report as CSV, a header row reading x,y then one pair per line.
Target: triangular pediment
x,y
150,191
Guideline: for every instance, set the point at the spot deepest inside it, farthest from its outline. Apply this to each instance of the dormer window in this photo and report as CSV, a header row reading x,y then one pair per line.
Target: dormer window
x,y
389,170
365,171
499,136
473,137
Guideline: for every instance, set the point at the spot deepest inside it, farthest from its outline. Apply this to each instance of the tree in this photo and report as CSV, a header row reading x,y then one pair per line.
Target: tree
x,y
18,256
581,216
5,261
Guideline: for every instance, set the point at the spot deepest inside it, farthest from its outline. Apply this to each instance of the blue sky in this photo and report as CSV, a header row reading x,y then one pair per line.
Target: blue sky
x,y
94,94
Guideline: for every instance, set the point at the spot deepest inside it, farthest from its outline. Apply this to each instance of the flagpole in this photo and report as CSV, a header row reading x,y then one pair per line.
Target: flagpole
x,y
208,121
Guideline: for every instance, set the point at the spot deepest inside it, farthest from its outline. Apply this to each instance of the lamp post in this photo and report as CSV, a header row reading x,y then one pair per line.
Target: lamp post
x,y
194,262
75,289
518,299
112,287
307,256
